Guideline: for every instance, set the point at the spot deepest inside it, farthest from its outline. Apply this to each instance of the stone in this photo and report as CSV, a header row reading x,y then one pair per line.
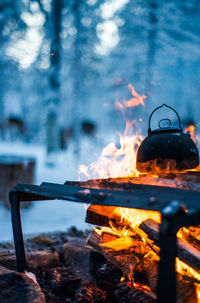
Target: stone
x,y
43,240
34,259
19,287
41,258
77,254
8,259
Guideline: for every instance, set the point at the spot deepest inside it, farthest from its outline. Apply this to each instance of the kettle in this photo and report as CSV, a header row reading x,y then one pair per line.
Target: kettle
x,y
166,148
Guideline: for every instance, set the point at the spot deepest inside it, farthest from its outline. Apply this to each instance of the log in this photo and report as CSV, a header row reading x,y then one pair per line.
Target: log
x,y
131,261
125,258
90,293
62,280
109,216
186,252
185,289
192,235
102,215
124,294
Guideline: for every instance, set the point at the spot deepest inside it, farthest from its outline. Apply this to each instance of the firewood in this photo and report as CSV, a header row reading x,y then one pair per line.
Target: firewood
x,y
90,293
186,252
101,215
107,237
125,259
129,261
108,276
185,289
124,294
192,235
61,281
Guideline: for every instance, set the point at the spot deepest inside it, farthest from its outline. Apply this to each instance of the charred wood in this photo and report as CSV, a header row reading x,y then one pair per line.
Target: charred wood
x,y
192,235
90,293
124,294
186,252
108,276
122,259
133,262
102,215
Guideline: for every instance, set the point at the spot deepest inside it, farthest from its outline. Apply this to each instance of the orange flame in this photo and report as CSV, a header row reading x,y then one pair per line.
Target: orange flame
x,y
191,130
136,100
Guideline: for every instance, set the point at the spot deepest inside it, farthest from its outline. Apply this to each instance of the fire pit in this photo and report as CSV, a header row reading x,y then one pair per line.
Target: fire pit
x,y
178,207
145,219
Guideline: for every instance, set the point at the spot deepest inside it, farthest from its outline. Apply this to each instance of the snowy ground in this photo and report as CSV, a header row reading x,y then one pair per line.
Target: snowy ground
x,y
46,216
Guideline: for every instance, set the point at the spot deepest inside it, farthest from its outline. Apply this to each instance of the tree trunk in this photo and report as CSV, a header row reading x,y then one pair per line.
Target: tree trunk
x,y
54,80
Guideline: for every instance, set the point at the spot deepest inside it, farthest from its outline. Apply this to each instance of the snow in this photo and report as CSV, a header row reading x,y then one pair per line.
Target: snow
x,y
44,216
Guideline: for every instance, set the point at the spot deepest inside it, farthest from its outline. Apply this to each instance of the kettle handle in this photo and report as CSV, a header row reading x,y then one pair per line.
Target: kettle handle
x,y
179,120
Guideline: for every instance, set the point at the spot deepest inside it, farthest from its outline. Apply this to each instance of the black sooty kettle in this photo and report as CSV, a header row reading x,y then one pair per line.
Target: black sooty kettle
x,y
166,148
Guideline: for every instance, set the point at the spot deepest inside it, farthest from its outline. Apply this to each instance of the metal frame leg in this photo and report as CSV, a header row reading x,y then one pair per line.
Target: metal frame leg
x,y
168,252
17,231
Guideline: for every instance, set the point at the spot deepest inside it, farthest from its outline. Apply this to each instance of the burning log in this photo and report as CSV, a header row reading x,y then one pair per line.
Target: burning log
x,y
107,216
124,294
90,293
126,259
132,261
192,235
186,252
101,215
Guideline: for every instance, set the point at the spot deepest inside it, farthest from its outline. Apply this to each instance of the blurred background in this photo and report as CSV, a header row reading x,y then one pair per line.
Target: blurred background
x,y
64,64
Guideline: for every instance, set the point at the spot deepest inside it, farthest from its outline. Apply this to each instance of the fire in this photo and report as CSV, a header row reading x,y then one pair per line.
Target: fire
x,y
135,101
121,161
113,161
189,274
191,130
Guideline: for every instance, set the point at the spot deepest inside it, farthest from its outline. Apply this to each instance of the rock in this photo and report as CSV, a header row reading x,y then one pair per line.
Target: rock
x,y
77,254
8,259
74,232
43,240
18,287
49,240
34,259
41,258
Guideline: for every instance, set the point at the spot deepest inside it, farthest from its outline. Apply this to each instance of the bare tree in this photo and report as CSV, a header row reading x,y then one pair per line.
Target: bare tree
x,y
54,77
